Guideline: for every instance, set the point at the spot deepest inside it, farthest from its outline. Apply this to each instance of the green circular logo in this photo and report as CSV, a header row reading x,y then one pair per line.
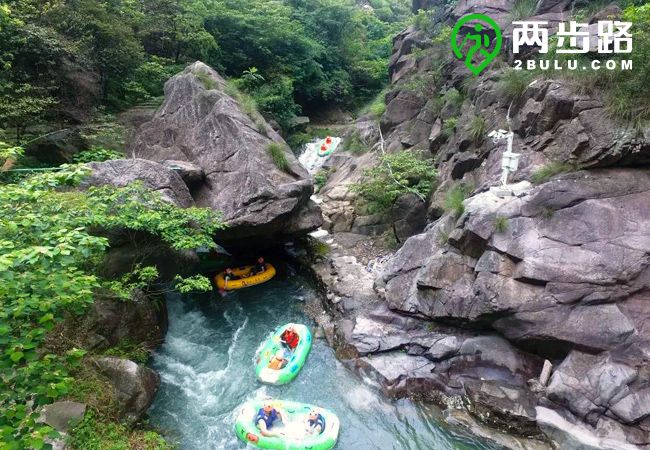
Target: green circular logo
x,y
487,48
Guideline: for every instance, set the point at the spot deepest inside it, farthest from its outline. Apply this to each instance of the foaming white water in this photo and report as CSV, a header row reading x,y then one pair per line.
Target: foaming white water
x,y
309,157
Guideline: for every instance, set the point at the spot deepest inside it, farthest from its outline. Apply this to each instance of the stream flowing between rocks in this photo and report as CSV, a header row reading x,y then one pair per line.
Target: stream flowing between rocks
x,y
206,369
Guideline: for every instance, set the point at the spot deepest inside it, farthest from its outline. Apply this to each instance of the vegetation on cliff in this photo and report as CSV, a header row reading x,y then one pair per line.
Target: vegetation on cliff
x,y
397,174
51,252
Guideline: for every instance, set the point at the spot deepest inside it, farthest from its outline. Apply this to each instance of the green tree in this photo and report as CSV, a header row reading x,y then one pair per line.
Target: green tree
x,y
22,105
397,174
50,261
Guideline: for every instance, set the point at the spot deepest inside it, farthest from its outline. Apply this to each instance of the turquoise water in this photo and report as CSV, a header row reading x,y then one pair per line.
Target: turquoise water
x,y
206,367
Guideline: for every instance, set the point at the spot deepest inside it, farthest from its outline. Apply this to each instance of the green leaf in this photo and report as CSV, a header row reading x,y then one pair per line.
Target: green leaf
x,y
46,318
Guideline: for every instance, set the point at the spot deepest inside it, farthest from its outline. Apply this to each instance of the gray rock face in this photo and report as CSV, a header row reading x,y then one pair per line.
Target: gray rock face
x,y
63,415
109,321
153,176
201,124
608,387
571,435
569,270
190,173
134,385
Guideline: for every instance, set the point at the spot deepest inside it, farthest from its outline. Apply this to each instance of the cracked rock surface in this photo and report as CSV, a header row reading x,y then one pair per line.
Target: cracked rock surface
x,y
199,123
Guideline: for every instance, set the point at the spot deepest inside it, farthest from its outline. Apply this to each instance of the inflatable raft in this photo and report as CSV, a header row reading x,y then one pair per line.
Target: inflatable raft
x,y
328,145
246,279
296,358
294,435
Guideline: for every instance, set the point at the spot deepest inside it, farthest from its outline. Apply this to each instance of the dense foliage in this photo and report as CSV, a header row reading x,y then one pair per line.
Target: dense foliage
x,y
397,174
56,56
49,266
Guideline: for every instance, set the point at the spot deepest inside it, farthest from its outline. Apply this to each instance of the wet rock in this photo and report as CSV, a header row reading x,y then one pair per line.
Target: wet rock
x,y
571,435
201,124
399,373
134,385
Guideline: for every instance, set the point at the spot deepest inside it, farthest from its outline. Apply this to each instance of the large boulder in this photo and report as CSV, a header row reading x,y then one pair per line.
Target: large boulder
x,y
134,385
200,123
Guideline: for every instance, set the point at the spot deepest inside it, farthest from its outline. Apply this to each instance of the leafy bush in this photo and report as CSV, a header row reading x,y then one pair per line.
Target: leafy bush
x,y
455,197
93,433
275,100
206,80
50,267
320,179
276,151
317,248
454,98
97,154
425,84
195,283
477,129
354,144
397,174
153,74
500,224
523,9
378,106
449,126
129,350
513,84
548,171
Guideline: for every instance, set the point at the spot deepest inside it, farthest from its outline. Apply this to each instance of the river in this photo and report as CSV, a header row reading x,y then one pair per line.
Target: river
x,y
206,369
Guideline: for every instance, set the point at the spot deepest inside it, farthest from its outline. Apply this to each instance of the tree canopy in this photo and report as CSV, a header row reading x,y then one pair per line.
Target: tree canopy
x,y
119,52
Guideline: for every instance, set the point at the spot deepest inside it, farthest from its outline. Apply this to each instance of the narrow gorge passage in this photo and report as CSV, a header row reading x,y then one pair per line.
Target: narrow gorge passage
x,y
207,370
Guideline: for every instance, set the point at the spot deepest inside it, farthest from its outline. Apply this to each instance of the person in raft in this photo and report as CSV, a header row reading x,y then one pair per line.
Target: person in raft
x,y
230,275
266,417
315,422
290,338
259,267
278,361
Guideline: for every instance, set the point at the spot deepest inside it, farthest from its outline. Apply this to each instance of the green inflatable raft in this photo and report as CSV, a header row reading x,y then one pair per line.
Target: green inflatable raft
x,y
295,359
293,434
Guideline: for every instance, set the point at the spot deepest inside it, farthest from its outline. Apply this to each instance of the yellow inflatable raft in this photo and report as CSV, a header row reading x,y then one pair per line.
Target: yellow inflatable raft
x,y
246,279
